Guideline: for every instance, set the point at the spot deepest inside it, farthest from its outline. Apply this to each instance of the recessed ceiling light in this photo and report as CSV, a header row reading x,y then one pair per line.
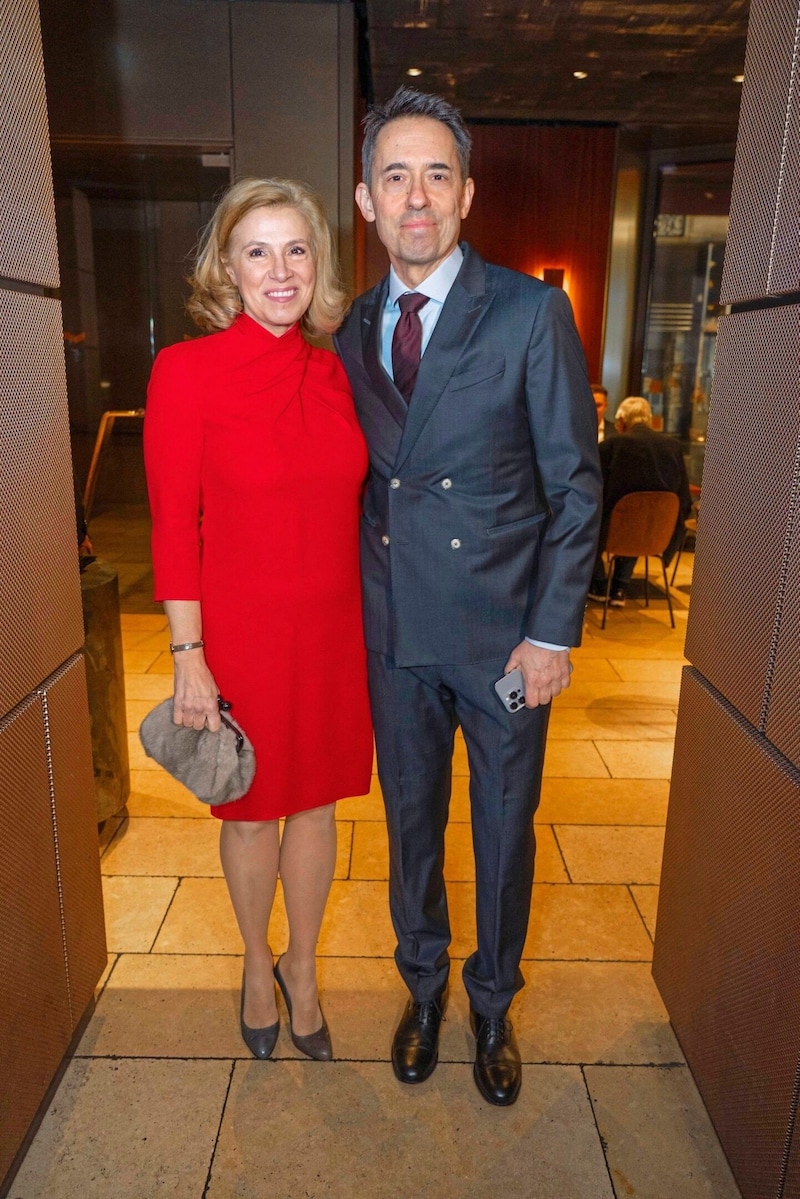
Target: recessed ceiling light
x,y
414,71
738,78
581,74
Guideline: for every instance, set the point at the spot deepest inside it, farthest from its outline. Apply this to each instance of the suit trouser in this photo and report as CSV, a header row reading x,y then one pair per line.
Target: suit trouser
x,y
416,711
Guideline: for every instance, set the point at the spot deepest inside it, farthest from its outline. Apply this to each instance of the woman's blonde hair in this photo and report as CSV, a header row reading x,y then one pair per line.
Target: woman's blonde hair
x,y
215,301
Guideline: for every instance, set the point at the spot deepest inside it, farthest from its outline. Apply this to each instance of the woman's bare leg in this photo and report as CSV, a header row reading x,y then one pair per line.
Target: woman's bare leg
x,y
307,862
249,851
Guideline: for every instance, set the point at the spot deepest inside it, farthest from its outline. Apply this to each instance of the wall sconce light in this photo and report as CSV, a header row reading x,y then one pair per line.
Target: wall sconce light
x,y
554,275
414,71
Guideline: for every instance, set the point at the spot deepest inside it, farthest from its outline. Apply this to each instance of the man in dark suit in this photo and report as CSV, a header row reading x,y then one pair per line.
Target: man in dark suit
x,y
478,538
638,459
605,428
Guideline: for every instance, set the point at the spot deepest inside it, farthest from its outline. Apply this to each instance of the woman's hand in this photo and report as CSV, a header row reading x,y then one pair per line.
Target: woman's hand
x,y
195,703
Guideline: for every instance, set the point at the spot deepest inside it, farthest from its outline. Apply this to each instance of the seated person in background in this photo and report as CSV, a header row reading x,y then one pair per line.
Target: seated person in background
x,y
639,459
605,428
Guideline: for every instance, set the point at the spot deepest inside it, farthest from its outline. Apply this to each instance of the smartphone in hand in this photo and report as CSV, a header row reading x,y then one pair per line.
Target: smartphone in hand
x,y
511,690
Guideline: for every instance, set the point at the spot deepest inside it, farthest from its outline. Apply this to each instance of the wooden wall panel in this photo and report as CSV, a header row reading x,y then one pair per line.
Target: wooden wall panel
x,y
544,198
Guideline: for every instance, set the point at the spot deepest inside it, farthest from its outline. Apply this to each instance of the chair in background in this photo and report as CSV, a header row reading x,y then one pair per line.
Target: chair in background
x,y
690,529
641,526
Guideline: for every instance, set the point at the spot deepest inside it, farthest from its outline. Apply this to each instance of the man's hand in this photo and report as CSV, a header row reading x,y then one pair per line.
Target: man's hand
x,y
545,671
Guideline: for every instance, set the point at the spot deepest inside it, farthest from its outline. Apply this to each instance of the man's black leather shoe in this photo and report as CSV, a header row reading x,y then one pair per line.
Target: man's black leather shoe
x,y
498,1069
415,1048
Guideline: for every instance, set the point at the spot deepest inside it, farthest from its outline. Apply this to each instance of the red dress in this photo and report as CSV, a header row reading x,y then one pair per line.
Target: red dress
x,y
258,433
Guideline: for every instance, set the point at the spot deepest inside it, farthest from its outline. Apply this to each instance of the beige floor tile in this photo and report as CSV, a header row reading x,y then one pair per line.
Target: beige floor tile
x,y
156,793
137,758
593,670
129,1129
592,1012
178,846
651,670
549,862
371,854
134,909
658,1136
158,1005
154,687
585,922
136,710
611,853
362,807
573,759
349,1129
619,695
107,831
603,801
201,921
637,759
135,621
155,640
136,661
646,900
568,922
617,724
162,665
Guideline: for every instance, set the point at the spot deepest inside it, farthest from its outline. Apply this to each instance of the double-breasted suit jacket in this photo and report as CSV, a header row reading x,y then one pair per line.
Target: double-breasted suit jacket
x,y
481,516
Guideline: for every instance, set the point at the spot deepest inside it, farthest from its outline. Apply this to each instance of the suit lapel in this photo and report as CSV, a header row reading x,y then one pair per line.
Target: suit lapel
x,y
463,310
371,323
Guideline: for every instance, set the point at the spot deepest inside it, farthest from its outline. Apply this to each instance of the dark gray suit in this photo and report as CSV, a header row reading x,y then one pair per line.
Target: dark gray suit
x,y
480,526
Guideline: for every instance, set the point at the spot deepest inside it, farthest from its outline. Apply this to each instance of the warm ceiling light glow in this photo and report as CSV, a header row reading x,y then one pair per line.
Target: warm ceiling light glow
x,y
738,78
581,74
414,71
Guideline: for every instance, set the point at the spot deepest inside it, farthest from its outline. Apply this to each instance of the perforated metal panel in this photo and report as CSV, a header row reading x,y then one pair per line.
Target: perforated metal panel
x,y
28,249
748,486
66,725
783,700
35,1025
727,951
791,1188
41,622
762,254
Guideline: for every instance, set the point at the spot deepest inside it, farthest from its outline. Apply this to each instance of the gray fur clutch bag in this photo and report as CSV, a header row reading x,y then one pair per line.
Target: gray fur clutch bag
x,y
218,767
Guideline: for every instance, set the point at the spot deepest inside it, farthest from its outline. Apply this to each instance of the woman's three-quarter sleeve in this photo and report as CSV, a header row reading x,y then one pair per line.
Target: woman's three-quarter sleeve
x,y
173,452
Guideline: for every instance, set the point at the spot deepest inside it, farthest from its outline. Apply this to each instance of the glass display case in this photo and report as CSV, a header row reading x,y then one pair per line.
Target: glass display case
x,y
689,235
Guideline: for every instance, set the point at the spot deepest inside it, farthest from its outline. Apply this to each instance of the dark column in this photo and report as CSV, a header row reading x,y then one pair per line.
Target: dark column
x,y
727,952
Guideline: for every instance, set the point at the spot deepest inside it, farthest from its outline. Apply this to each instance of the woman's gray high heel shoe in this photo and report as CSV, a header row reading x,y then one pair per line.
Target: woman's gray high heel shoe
x,y
260,1041
316,1045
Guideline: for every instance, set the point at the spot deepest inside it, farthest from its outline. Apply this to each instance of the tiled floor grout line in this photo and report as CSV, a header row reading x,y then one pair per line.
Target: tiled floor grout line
x,y
552,828
600,1137
219,1129
168,907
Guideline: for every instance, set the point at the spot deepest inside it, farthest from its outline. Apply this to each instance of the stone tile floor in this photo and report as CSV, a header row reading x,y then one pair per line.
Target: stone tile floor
x,y
162,1097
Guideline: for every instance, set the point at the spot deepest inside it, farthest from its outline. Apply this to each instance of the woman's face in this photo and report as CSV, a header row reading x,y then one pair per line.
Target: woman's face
x,y
270,260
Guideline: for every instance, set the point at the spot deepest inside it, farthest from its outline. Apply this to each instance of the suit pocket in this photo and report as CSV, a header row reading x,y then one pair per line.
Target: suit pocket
x,y
516,526
481,374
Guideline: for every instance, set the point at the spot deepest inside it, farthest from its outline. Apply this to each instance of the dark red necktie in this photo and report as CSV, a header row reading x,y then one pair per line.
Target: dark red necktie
x,y
407,343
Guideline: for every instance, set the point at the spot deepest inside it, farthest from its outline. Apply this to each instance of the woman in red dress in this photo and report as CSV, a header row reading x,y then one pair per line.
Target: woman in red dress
x,y
255,464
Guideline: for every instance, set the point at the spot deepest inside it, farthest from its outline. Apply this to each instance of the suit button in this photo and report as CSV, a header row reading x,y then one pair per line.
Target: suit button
x,y
447,484
394,484
384,540
455,544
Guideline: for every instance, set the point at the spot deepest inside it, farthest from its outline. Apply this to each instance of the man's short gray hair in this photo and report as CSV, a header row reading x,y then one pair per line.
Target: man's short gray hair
x,y
408,102
634,410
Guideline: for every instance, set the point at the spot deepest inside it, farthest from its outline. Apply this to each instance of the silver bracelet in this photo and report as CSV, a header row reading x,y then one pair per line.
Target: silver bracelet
x,y
177,649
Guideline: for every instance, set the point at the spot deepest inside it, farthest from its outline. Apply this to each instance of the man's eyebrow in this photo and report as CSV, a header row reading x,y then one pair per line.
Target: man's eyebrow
x,y
429,166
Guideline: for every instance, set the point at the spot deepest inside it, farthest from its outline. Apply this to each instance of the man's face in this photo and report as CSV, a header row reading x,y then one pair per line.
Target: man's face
x,y
601,404
416,196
